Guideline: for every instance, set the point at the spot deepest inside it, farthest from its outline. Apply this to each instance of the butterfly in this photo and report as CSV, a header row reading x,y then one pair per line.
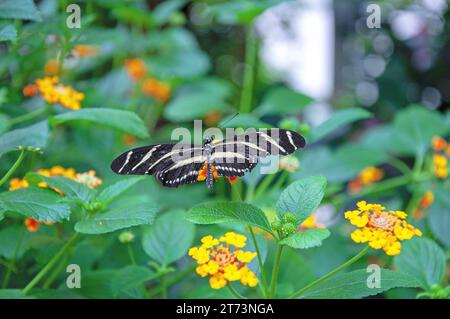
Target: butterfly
x,y
178,164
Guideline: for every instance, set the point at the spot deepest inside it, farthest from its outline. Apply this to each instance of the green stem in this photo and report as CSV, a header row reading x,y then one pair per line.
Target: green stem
x,y
51,278
276,267
400,165
176,278
265,183
330,274
251,50
279,183
163,287
131,254
13,260
234,292
260,262
14,167
384,186
29,116
50,264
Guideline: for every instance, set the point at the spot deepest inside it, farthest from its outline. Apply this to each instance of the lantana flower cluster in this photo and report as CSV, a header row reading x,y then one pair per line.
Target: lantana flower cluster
x,y
54,92
150,86
367,176
440,157
380,228
224,261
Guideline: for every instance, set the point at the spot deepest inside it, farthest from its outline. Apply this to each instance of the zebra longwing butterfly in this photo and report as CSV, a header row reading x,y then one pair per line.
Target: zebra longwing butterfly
x,y
177,164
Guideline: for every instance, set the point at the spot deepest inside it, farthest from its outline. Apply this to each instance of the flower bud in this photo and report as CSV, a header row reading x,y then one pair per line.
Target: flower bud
x,y
290,218
288,229
126,237
276,225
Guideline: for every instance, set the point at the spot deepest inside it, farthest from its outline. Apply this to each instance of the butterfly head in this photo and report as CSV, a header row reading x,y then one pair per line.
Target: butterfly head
x,y
208,140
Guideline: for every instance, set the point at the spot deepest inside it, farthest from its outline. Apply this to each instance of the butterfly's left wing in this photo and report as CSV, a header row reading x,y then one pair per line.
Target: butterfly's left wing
x,y
171,164
237,155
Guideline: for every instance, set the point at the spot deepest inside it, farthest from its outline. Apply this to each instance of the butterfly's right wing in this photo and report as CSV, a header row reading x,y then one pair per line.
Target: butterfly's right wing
x,y
151,159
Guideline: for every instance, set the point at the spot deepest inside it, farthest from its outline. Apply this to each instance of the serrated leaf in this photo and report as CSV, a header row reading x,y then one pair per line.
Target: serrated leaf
x,y
125,121
42,204
355,284
228,212
35,135
8,33
169,238
130,277
423,259
69,187
338,120
19,9
302,197
439,216
108,194
117,218
415,126
306,239
282,100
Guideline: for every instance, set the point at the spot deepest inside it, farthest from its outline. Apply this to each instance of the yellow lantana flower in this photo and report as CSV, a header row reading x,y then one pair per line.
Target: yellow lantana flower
x,y
54,92
224,261
379,228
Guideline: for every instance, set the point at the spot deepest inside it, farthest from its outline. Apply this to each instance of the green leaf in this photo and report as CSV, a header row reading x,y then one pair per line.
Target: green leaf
x,y
302,197
130,277
338,120
238,12
35,136
182,63
9,240
19,9
415,126
42,204
125,121
69,187
12,294
4,123
165,9
282,100
228,212
169,238
193,106
439,217
341,165
355,284
423,259
306,239
8,33
117,218
111,192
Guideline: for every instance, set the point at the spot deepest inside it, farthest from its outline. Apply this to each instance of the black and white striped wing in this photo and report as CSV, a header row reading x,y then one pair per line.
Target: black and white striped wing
x,y
171,164
237,155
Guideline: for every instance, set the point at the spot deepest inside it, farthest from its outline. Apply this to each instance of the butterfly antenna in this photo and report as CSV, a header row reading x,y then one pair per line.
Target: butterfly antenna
x,y
229,120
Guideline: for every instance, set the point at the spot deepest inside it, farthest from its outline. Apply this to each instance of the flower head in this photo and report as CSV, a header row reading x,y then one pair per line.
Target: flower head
x,y
30,90
367,176
51,67
84,50
54,92
224,261
380,228
89,179
289,164
31,224
136,68
126,237
438,144
158,90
